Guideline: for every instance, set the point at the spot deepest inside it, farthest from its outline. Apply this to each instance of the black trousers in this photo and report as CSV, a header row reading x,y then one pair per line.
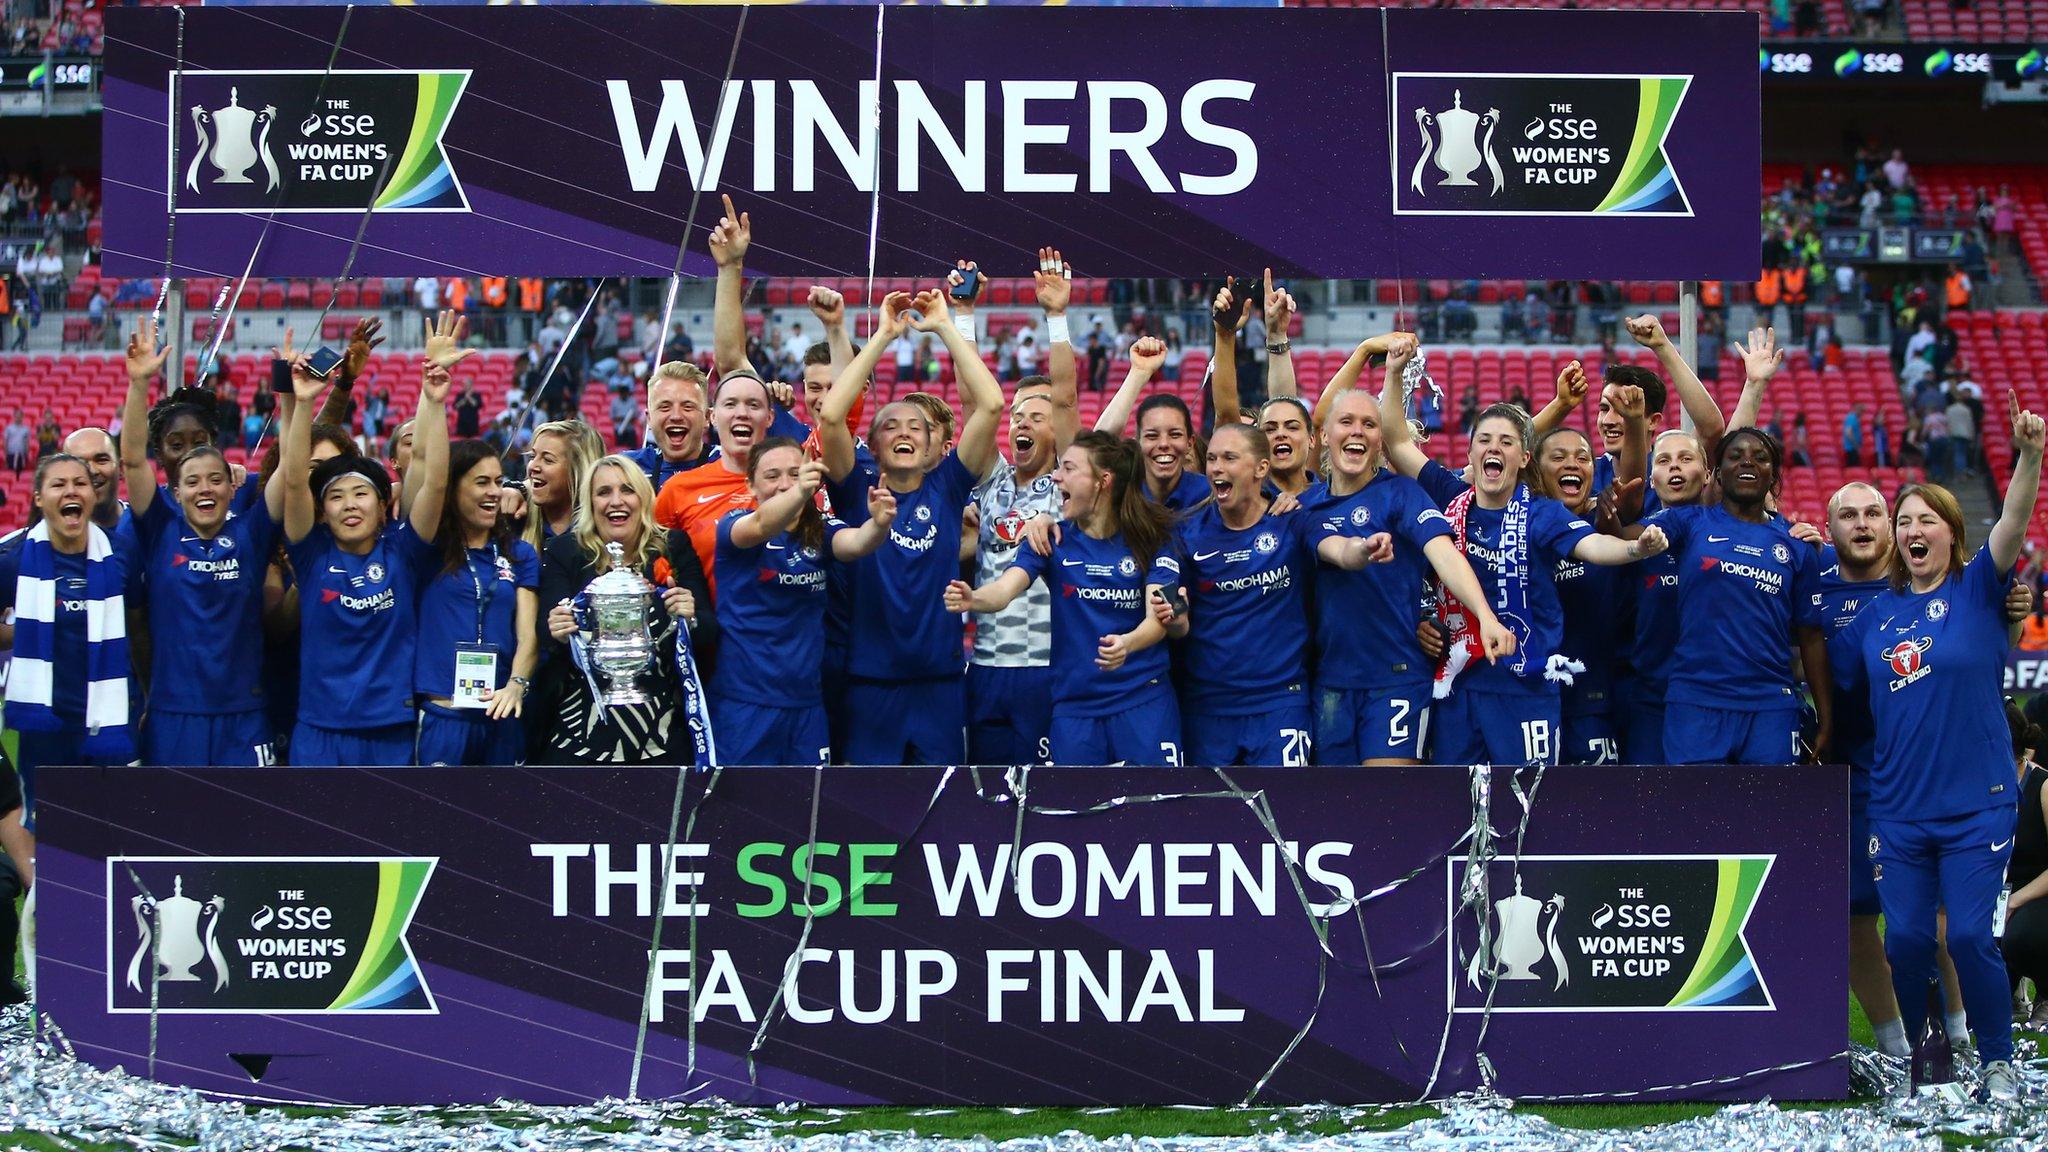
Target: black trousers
x,y
2026,945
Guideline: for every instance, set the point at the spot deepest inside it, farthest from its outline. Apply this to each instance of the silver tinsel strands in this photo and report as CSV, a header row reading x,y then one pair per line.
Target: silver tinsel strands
x,y
44,1089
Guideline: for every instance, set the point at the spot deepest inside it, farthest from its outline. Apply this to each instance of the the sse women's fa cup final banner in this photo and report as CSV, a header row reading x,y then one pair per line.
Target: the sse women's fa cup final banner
x,y
1071,936
571,140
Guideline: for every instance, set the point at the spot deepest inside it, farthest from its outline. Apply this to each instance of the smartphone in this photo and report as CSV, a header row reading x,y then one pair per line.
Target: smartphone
x,y
970,282
1176,600
321,362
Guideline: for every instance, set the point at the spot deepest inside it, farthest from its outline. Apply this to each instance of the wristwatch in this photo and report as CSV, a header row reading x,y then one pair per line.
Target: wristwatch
x,y
1281,348
522,681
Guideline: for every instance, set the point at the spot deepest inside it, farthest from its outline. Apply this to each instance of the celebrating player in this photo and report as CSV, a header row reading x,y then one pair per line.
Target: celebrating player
x,y
205,569
767,705
1372,695
479,613
1244,699
1112,701
561,452
1166,438
358,574
904,701
1508,712
1942,813
1748,593
1678,478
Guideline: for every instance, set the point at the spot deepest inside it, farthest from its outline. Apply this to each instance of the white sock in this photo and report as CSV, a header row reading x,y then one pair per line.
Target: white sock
x,y
1958,1027
28,938
1891,1038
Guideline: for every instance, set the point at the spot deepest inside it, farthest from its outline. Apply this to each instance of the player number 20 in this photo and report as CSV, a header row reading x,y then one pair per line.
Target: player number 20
x,y
1294,747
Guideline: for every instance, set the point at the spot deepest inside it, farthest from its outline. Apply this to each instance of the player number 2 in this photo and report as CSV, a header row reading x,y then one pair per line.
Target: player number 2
x,y
1294,747
1536,741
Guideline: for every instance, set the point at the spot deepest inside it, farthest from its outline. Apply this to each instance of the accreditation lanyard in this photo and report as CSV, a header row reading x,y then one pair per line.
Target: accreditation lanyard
x,y
476,665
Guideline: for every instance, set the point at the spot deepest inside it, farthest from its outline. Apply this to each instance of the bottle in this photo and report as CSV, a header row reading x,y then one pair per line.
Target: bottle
x,y
1933,1059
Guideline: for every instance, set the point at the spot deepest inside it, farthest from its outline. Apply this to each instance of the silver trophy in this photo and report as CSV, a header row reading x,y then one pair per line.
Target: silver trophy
x,y
620,607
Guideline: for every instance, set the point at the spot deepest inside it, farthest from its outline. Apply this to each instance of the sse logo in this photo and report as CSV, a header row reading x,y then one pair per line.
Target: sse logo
x,y
1943,62
1785,63
1876,63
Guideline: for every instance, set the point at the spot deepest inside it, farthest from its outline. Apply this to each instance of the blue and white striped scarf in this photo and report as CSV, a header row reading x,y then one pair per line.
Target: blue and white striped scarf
x,y
31,682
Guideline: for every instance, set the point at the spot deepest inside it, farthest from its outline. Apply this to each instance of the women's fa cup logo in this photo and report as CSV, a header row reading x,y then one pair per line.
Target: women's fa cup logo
x,y
173,926
1457,147
237,140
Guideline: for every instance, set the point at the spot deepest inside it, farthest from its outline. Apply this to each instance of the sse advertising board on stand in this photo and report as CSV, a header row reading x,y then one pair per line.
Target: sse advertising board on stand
x,y
950,936
551,140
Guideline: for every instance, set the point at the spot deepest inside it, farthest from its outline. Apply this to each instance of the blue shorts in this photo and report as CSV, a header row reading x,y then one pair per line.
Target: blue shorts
x,y
1699,734
1144,733
1642,732
1862,873
234,740
1354,725
1590,740
387,747
468,737
754,735
1277,738
911,722
1009,715
1496,728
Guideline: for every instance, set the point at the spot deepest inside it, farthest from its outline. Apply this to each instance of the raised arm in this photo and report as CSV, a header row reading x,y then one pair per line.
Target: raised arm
x,y
729,241
1634,463
429,451
1279,317
830,309
1354,366
1692,395
1055,284
1146,357
1820,680
1761,359
980,395
1572,388
445,334
2010,532
145,360
1224,318
295,454
367,335
835,439
1396,440
779,512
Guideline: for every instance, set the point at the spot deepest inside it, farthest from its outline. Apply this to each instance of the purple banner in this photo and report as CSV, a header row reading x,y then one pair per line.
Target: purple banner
x,y
935,936
572,141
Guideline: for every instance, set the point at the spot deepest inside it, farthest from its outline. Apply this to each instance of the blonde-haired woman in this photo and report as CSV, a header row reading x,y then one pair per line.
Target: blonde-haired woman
x,y
556,461
615,505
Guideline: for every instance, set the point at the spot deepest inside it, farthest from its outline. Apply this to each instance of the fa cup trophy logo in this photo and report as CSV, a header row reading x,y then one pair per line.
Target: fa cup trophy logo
x,y
1457,147
173,924
239,139
1521,944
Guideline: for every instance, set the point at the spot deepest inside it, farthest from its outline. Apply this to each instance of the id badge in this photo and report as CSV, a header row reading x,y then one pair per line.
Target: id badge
x,y
476,674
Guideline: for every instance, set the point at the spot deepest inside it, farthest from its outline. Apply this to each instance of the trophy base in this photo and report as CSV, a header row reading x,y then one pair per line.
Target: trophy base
x,y
619,696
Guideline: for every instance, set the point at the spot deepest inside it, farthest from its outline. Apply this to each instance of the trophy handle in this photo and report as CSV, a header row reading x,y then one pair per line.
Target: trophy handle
x,y
1422,119
142,924
218,905
198,155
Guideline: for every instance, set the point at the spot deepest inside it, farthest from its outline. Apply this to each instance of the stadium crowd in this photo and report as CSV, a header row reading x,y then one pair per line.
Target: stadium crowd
x,y
998,585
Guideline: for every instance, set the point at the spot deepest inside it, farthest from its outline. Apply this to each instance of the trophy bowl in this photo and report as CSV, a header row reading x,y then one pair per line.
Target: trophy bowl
x,y
619,607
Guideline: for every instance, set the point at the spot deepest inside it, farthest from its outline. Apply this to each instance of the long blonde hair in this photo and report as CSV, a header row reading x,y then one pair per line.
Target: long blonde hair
x,y
653,540
582,445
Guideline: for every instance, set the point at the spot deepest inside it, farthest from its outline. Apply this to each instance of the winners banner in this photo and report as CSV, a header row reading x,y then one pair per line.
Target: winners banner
x,y
950,936
569,140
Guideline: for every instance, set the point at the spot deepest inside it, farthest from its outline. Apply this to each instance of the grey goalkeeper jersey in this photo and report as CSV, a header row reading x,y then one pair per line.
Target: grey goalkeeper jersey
x,y
1019,636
